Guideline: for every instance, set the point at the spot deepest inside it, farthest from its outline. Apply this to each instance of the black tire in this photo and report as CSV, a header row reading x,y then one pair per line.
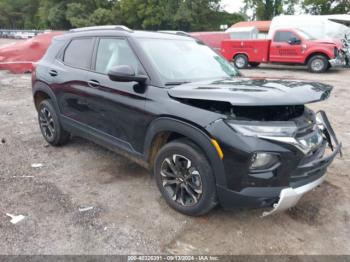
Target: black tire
x,y
318,64
254,65
241,61
198,179
50,126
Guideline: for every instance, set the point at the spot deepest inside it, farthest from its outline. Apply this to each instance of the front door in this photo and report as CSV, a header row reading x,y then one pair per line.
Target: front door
x,y
117,108
282,50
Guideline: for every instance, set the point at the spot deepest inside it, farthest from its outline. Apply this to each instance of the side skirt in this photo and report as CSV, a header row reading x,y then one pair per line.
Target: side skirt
x,y
114,144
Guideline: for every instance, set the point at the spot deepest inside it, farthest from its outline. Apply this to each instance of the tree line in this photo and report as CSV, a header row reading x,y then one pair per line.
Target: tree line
x,y
187,15
267,9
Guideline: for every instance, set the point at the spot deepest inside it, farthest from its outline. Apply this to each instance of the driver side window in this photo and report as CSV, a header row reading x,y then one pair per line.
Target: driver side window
x,y
284,36
113,52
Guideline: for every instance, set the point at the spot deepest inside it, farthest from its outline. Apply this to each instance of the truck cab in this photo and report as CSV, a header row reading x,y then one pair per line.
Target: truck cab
x,y
288,46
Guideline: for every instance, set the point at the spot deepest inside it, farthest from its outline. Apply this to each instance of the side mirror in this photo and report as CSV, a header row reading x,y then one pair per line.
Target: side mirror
x,y
294,41
125,73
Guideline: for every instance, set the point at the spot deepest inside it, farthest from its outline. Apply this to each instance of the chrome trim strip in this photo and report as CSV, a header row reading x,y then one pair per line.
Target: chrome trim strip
x,y
305,149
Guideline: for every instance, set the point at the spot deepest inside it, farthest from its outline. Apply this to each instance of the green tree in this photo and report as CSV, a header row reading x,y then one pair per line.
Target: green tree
x,y
268,9
11,13
90,12
325,7
187,15
77,15
203,15
52,14
101,16
183,18
224,18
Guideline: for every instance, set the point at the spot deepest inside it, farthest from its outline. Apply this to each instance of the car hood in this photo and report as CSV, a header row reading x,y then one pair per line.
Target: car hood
x,y
329,41
253,91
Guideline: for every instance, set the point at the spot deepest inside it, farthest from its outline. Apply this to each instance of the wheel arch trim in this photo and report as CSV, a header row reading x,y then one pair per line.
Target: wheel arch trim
x,y
195,134
43,87
316,53
241,53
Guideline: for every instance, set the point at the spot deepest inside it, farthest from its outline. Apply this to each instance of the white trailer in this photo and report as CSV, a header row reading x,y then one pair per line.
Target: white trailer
x,y
320,27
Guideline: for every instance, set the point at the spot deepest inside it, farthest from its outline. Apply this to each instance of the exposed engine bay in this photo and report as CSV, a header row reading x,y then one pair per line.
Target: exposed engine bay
x,y
252,113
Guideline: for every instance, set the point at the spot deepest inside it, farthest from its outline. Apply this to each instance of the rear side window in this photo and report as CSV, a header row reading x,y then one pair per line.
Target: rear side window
x,y
283,36
78,53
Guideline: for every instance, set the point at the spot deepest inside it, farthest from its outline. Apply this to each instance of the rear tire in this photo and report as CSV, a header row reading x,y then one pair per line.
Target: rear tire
x,y
185,178
318,64
241,61
50,126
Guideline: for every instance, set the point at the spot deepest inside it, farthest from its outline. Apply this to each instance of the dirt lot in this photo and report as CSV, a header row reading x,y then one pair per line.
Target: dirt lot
x,y
128,215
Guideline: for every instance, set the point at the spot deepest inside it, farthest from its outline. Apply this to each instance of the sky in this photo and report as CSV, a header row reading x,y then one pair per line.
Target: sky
x,y
232,6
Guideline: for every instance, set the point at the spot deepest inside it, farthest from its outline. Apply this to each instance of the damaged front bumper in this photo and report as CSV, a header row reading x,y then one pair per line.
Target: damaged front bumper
x,y
337,62
290,196
340,60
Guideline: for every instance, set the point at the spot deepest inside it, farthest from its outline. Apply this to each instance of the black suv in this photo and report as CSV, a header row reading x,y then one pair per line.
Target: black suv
x,y
174,105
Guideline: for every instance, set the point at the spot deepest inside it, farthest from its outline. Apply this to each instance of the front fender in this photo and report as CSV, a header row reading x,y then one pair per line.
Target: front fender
x,y
195,134
327,51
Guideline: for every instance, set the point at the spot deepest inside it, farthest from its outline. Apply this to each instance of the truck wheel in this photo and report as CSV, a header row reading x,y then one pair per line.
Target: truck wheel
x,y
50,125
185,178
318,64
241,61
254,65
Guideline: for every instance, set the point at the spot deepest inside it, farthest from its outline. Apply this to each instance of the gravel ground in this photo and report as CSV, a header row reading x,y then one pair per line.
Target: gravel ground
x,y
128,215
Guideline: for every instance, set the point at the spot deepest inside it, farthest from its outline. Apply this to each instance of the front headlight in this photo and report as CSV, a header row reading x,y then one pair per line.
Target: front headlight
x,y
263,160
256,129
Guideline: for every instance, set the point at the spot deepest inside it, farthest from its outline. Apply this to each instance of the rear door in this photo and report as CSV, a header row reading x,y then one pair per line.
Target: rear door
x,y
284,52
70,76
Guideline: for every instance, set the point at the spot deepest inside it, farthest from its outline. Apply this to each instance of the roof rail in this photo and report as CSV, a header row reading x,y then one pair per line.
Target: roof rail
x,y
103,27
182,33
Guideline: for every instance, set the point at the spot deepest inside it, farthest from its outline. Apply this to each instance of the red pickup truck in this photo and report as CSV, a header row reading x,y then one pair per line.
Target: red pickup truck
x,y
288,46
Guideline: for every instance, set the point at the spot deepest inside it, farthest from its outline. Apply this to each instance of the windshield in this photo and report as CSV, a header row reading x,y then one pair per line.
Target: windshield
x,y
180,61
305,35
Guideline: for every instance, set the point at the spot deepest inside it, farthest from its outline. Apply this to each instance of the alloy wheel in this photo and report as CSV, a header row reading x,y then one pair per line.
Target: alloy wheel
x,y
181,180
317,65
240,62
47,124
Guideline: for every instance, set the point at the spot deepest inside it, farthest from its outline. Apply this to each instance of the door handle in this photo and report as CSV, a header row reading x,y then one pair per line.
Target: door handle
x,y
93,83
278,46
53,73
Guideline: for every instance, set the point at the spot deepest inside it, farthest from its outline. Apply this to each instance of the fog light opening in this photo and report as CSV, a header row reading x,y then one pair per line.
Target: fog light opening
x,y
263,161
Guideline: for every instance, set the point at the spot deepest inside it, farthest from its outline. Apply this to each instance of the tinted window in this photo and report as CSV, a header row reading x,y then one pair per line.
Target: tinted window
x,y
284,36
79,52
113,52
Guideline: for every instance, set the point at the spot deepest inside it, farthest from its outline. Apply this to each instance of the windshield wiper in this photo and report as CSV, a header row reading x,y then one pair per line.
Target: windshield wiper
x,y
176,83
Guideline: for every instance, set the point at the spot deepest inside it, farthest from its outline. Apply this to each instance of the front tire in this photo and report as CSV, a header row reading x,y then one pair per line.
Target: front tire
x,y
185,178
241,61
50,126
318,64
